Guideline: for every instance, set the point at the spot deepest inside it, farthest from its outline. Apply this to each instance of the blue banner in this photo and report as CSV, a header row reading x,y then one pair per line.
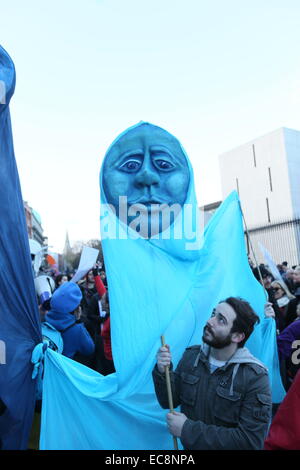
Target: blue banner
x,y
19,317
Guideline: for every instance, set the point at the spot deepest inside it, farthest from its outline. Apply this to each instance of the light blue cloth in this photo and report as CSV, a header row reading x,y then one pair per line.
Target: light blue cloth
x,y
156,287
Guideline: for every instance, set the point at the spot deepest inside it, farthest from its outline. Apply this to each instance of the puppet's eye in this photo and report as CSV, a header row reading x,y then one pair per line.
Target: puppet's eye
x,y
163,164
131,165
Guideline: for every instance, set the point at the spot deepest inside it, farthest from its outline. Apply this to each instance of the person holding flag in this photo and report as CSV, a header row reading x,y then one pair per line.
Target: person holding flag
x,y
223,390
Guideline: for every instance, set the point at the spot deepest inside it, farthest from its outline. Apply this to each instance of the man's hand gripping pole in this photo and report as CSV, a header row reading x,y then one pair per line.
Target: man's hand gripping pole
x,y
169,390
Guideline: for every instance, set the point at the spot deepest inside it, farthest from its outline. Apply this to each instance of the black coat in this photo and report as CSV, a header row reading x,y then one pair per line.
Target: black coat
x,y
279,318
291,313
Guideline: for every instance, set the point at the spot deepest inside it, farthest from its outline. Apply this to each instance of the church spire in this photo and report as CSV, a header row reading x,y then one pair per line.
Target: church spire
x,y
67,247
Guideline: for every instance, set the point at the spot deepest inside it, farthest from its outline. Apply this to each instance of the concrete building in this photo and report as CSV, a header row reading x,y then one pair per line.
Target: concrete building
x,y
28,216
37,229
34,225
266,174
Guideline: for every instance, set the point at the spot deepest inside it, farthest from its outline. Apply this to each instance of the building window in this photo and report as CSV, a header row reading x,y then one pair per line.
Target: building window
x,y
270,179
237,186
254,157
268,210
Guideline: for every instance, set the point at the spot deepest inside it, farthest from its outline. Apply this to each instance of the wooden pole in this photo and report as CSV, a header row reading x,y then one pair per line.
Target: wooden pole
x,y
253,253
169,390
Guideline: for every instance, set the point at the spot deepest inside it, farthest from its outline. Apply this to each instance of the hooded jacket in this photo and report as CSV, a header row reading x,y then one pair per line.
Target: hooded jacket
x,y
229,409
76,338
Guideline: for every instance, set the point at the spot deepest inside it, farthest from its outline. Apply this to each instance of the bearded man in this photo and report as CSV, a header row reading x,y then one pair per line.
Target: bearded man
x,y
224,391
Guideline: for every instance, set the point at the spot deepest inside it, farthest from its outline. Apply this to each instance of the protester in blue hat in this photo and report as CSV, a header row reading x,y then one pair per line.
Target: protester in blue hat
x,y
64,309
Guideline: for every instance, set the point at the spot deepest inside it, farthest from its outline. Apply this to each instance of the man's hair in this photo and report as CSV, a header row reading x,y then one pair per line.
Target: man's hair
x,y
263,271
245,319
58,278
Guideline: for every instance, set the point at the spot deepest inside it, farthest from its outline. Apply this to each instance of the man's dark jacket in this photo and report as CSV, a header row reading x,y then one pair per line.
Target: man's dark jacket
x,y
227,409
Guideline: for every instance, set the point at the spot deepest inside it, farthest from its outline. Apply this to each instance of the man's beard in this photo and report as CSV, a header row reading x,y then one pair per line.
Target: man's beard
x,y
215,342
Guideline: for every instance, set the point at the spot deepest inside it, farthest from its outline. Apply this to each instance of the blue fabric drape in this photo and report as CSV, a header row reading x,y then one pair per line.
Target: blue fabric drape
x,y
156,287
19,318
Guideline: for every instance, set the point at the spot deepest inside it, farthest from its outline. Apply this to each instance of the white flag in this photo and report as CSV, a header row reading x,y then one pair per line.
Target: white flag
x,y
269,261
87,260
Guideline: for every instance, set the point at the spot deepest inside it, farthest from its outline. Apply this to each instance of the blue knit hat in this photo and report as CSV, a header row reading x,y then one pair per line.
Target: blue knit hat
x,y
66,298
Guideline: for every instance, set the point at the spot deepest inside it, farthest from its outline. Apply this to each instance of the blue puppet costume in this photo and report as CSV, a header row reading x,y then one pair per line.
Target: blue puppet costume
x,y
19,318
166,284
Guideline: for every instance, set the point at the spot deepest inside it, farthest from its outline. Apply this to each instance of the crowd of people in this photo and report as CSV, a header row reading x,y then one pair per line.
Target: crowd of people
x,y
80,312
284,296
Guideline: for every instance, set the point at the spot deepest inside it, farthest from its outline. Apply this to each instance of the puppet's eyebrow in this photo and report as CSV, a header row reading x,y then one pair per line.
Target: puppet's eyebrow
x,y
132,153
161,148
128,154
178,156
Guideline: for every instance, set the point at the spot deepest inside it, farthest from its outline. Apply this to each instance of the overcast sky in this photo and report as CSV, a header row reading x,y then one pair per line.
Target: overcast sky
x,y
214,73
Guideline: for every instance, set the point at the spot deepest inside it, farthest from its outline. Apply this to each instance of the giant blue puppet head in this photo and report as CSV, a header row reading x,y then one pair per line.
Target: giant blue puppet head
x,y
145,173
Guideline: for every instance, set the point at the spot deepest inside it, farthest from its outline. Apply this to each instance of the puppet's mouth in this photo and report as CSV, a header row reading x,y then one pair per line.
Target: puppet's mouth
x,y
147,202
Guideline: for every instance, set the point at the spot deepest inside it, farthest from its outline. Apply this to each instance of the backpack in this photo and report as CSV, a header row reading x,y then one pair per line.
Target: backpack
x,y
52,338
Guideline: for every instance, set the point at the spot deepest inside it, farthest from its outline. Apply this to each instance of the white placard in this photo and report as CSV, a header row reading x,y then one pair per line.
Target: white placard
x,y
269,261
87,261
102,313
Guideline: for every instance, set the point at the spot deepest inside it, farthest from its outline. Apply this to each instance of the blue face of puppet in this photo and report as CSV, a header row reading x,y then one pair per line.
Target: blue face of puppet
x,y
147,165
